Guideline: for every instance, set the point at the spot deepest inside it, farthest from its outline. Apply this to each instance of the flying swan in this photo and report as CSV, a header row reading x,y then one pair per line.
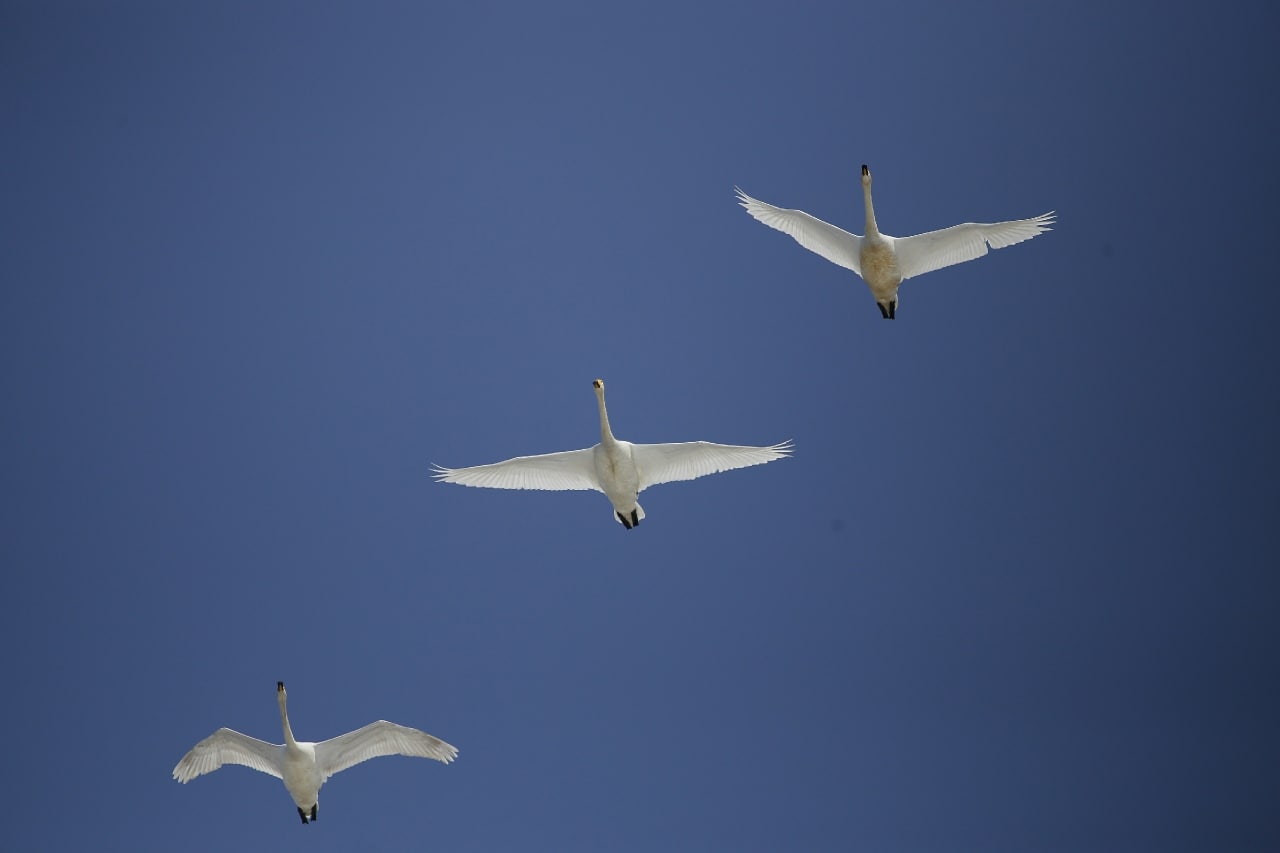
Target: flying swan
x,y
304,766
620,469
885,262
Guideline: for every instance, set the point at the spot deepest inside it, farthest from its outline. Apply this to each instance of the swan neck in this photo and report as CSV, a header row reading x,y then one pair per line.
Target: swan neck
x,y
284,721
606,434
871,211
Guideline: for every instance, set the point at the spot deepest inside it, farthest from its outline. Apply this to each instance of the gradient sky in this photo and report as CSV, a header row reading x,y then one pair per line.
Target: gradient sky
x,y
265,263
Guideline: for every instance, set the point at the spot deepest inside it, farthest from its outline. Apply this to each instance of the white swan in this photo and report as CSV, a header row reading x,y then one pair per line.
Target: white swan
x,y
884,262
620,469
304,766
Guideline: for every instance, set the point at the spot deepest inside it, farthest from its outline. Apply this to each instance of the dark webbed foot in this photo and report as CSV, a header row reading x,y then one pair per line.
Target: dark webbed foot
x,y
884,312
893,310
302,814
626,522
635,519
315,811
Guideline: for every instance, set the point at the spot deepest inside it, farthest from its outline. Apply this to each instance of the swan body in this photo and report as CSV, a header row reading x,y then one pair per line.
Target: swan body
x,y
305,766
620,469
884,262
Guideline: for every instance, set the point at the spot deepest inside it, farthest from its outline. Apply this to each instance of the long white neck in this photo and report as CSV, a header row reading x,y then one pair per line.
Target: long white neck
x,y
284,720
606,434
871,211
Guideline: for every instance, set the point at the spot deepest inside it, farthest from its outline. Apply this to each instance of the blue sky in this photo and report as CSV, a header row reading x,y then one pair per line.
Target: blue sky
x,y
265,263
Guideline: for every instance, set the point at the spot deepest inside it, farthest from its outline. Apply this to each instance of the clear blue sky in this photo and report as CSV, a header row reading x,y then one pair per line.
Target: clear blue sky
x,y
264,263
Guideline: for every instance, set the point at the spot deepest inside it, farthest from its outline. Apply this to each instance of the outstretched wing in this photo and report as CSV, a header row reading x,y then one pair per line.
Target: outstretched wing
x,y
378,739
226,746
667,463
937,249
835,244
569,470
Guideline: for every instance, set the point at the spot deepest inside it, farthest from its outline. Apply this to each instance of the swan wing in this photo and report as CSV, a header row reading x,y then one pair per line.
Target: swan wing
x,y
835,244
937,249
667,463
226,746
378,739
569,470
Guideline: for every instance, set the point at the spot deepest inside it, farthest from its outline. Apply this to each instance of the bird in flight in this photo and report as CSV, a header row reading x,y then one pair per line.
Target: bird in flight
x,y
885,262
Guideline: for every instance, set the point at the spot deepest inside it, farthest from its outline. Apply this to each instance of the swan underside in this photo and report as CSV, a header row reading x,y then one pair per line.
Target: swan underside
x,y
315,809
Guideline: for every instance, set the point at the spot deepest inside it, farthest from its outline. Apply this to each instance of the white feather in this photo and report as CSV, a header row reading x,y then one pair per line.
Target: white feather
x,y
304,766
618,468
884,262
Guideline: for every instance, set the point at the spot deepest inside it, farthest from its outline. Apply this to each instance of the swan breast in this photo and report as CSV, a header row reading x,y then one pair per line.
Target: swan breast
x,y
880,263
616,470
301,775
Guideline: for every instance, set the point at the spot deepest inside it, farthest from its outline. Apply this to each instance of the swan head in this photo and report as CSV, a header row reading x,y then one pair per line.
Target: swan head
x,y
866,175
597,384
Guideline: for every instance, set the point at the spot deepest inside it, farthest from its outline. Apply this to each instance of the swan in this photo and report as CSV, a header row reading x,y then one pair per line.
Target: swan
x,y
620,469
304,766
885,262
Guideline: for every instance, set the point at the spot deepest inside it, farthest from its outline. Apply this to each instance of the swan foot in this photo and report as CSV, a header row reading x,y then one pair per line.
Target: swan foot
x,y
629,521
302,814
893,310
884,312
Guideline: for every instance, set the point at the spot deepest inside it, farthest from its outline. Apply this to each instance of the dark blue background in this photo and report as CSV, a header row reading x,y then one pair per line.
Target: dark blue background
x,y
264,263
